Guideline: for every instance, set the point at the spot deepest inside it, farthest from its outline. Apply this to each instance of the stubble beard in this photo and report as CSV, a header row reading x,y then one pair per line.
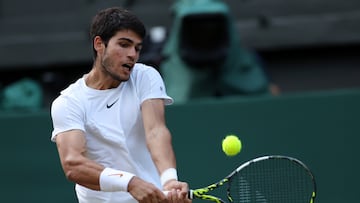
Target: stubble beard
x,y
106,65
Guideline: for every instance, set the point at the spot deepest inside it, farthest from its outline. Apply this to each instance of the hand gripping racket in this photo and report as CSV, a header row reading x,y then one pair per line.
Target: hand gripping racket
x,y
267,179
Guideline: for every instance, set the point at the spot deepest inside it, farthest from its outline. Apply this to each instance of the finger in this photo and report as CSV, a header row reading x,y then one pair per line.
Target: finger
x,y
161,196
174,196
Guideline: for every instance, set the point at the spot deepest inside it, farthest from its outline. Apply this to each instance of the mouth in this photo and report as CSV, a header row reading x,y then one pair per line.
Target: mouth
x,y
128,66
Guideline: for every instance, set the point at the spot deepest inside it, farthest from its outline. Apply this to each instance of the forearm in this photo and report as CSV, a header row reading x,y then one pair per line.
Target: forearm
x,y
86,172
83,172
158,137
161,149
96,177
160,146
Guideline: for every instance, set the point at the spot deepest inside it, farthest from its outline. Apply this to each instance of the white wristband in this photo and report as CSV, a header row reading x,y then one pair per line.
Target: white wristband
x,y
168,174
112,180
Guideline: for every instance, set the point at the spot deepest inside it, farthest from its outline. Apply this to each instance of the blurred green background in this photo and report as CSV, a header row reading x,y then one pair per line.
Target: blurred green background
x,y
321,129
308,48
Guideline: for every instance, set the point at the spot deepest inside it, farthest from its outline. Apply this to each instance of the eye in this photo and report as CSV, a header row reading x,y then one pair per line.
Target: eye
x,y
124,44
138,48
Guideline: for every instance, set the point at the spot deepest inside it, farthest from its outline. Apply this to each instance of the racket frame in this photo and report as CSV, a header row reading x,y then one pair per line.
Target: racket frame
x,y
201,193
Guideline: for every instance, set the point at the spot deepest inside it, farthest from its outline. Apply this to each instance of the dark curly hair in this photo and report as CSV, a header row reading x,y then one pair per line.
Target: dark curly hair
x,y
107,22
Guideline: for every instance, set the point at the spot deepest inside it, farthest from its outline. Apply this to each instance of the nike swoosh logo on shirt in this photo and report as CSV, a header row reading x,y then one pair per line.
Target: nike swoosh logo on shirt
x,y
117,174
109,106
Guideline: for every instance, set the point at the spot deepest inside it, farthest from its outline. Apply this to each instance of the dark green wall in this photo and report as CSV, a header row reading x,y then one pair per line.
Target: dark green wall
x,y
30,167
320,129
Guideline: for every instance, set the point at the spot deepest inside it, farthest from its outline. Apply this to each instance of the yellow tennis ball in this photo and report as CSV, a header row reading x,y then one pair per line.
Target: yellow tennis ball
x,y
231,145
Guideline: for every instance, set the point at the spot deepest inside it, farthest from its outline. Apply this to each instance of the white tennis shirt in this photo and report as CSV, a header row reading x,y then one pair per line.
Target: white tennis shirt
x,y
113,126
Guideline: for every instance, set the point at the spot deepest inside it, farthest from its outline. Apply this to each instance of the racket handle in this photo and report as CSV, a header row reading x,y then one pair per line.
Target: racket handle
x,y
190,193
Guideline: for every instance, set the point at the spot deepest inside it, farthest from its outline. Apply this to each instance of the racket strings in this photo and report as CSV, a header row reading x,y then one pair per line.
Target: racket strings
x,y
272,181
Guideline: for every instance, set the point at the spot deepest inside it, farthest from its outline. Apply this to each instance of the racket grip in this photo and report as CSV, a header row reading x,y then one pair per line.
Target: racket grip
x,y
190,193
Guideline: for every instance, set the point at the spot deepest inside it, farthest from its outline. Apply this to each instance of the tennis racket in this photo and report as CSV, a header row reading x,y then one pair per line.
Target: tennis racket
x,y
267,179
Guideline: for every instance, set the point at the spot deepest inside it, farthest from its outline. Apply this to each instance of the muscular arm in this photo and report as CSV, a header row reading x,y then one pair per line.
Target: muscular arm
x,y
81,170
159,143
77,168
158,136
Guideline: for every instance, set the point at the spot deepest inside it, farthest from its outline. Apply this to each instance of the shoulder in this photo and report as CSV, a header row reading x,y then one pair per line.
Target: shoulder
x,y
149,83
76,86
71,96
145,74
141,69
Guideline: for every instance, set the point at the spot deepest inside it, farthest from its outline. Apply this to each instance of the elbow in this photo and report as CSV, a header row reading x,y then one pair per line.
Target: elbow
x,y
70,167
71,175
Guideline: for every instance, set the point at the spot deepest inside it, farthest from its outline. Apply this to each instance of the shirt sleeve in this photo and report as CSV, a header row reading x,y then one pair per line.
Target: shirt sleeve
x,y
151,86
66,115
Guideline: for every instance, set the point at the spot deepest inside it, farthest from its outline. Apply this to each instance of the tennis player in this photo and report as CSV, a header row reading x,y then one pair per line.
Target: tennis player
x,y
109,125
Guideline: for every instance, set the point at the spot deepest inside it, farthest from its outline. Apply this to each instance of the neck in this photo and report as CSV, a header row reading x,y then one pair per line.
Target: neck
x,y
96,79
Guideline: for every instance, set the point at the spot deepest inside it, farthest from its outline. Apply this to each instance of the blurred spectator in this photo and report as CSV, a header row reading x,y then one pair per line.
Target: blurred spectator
x,y
24,94
152,47
203,56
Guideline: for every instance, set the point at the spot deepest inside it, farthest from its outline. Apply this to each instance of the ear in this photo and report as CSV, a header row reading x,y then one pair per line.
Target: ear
x,y
98,44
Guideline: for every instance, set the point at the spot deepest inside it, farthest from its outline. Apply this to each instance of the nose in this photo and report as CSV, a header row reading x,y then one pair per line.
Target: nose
x,y
133,54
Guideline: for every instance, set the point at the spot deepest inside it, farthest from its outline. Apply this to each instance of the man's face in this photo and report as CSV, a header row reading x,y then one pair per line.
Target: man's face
x,y
121,54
